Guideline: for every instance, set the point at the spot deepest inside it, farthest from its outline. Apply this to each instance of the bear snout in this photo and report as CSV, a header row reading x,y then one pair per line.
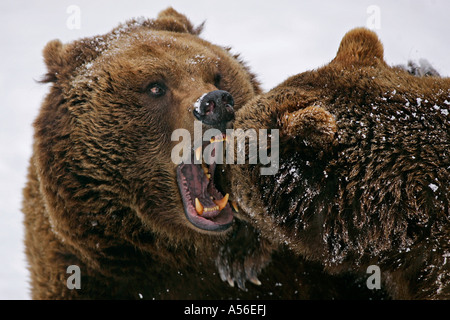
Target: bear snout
x,y
215,108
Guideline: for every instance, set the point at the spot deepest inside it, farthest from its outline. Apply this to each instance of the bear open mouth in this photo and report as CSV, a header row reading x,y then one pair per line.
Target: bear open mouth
x,y
204,205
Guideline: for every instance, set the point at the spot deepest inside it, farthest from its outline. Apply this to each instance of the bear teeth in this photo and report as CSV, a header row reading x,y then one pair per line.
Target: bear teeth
x,y
215,208
220,204
198,207
219,139
235,207
223,202
201,209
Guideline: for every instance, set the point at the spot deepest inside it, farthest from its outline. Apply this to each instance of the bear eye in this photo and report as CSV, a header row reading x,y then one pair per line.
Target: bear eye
x,y
217,79
156,89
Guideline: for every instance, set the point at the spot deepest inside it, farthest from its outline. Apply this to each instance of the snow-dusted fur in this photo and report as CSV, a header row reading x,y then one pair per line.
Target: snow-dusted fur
x,y
364,175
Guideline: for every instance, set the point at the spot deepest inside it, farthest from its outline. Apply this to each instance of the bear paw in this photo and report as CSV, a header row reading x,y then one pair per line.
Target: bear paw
x,y
243,256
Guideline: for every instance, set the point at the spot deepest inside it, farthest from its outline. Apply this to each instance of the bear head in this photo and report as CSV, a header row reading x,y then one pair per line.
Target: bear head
x,y
103,137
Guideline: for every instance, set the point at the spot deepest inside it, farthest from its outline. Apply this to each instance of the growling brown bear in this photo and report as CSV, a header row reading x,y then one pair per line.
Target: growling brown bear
x,y
102,192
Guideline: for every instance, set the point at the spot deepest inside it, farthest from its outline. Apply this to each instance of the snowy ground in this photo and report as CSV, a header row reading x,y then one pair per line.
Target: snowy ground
x,y
277,38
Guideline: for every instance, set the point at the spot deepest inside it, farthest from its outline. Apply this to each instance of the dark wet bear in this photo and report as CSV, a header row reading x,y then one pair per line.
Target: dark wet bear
x,y
364,172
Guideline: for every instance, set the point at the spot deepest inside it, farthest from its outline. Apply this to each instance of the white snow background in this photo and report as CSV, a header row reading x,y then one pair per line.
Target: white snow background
x,y
277,39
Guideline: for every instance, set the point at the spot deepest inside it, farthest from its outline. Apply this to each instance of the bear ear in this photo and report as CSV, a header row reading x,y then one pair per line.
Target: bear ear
x,y
172,20
312,126
62,59
54,60
360,46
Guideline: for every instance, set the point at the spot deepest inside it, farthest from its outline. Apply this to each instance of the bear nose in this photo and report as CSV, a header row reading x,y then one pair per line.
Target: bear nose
x,y
215,108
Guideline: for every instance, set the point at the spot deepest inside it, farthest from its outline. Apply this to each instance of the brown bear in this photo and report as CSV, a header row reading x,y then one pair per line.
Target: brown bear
x,y
108,213
102,193
363,181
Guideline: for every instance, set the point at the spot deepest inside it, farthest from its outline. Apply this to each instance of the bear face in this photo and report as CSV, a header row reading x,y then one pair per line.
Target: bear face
x,y
101,179
119,99
364,169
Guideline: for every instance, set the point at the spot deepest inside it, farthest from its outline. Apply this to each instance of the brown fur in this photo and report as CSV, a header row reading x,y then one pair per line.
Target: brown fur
x,y
364,170
102,192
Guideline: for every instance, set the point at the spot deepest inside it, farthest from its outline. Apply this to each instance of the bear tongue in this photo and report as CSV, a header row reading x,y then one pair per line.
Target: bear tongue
x,y
204,206
199,192
202,190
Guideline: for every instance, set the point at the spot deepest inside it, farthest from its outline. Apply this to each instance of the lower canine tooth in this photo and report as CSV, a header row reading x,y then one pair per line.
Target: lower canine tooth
x,y
222,202
198,206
